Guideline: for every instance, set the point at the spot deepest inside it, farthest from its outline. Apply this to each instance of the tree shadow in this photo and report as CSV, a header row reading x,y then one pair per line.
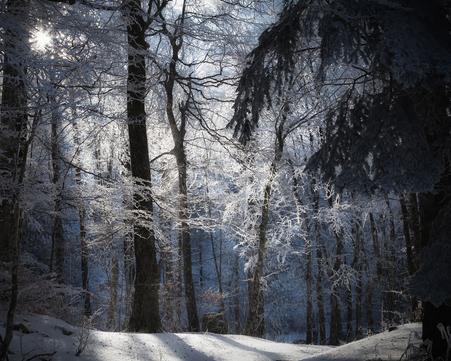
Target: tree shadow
x,y
50,335
181,348
229,341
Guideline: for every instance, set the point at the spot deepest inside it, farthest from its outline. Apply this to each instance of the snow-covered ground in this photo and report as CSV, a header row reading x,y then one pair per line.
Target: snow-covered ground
x,y
381,347
47,335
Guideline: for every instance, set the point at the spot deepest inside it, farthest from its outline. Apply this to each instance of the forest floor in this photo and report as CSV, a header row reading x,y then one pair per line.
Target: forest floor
x,y
46,335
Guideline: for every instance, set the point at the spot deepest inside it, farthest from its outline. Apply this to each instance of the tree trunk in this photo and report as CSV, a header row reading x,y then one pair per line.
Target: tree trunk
x,y
145,313
320,298
185,236
178,136
407,235
183,211
435,229
432,317
58,243
201,265
308,251
84,255
369,307
84,251
335,319
320,270
128,258
217,261
236,298
357,265
129,275
412,238
389,291
335,314
218,268
112,305
178,282
371,283
255,323
309,282
414,220
349,309
13,117
14,148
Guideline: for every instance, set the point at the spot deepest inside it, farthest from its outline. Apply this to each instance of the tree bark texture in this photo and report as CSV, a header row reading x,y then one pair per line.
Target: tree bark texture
x,y
145,313
13,149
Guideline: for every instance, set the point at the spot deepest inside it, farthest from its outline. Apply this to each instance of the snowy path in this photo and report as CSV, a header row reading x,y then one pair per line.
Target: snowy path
x,y
51,335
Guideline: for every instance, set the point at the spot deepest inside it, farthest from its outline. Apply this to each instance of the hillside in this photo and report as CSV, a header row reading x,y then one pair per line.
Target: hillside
x,y
38,334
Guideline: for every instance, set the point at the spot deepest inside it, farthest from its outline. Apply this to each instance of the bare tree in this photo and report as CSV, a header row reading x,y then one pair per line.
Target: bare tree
x,y
145,314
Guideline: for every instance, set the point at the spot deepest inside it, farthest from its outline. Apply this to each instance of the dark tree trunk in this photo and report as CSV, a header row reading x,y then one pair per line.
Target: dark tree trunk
x,y
84,255
389,246
407,235
13,119
145,313
217,261
308,251
357,265
178,135
84,251
320,270
201,265
128,259
371,281
236,298
415,224
14,259
319,296
113,284
255,323
129,275
178,283
411,249
218,267
432,317
58,243
335,319
435,210
13,149
349,309
309,282
369,306
335,314
185,236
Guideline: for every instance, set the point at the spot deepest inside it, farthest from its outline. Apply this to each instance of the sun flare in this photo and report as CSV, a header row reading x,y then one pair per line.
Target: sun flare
x,y
41,40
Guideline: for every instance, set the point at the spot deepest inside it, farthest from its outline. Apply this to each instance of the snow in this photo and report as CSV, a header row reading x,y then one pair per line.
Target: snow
x,y
48,335
389,345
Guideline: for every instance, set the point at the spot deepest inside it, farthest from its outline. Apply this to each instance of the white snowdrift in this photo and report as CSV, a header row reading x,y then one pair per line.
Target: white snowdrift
x,y
384,346
50,335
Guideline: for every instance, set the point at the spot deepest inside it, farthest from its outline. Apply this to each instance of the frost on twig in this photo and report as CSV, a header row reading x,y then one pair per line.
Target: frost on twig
x,y
84,332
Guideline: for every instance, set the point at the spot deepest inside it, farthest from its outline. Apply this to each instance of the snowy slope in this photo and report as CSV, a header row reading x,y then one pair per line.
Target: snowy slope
x,y
49,335
384,346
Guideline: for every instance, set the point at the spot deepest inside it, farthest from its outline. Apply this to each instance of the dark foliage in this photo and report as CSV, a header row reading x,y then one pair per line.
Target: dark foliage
x,y
384,140
269,66
395,109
